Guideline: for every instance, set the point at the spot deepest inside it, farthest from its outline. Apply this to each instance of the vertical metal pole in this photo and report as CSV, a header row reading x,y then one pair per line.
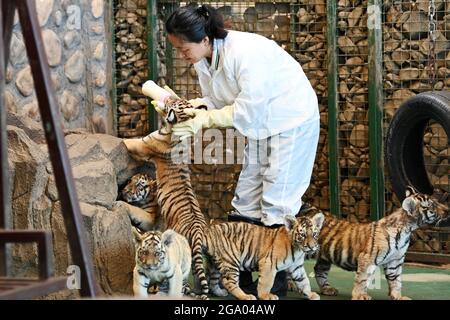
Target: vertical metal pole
x,y
4,191
375,109
114,104
333,109
294,27
169,8
51,121
7,9
152,47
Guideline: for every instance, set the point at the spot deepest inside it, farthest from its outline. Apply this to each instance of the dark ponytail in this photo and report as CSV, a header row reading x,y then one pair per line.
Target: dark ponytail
x,y
193,24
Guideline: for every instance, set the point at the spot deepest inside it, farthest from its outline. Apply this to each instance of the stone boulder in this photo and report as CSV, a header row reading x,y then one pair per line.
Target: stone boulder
x,y
100,163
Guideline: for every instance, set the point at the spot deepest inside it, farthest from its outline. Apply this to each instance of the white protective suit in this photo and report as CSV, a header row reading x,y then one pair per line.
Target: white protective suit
x,y
274,106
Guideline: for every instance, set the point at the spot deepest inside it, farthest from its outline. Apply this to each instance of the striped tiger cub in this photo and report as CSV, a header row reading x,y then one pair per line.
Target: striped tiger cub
x,y
179,206
141,191
362,247
161,257
235,246
174,110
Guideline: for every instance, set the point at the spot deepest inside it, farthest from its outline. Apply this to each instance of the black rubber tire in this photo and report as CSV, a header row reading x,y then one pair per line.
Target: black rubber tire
x,y
404,140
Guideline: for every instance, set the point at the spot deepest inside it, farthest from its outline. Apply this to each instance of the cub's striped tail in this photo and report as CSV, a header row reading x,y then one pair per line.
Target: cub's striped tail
x,y
188,292
198,263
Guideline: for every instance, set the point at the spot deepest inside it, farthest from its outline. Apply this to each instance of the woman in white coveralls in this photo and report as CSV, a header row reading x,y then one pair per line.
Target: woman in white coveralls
x,y
250,83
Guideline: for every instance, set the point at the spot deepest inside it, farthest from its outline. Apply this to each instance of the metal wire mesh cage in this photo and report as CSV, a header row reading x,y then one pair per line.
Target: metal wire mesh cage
x,y
334,42
215,183
266,18
131,65
416,59
353,121
308,47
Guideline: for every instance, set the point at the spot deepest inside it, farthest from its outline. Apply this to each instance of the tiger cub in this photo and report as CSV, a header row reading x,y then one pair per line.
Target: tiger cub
x,y
361,247
235,246
161,257
179,206
174,110
141,191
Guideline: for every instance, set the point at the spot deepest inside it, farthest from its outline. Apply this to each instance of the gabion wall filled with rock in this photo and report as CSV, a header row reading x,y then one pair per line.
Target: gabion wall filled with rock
x,y
301,27
131,64
414,63
309,32
77,43
416,58
266,18
214,184
353,122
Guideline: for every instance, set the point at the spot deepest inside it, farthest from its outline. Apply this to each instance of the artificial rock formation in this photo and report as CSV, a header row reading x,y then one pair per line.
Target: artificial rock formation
x,y
99,164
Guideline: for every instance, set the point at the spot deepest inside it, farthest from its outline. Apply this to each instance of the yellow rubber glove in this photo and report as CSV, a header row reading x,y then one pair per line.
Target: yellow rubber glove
x,y
197,102
217,118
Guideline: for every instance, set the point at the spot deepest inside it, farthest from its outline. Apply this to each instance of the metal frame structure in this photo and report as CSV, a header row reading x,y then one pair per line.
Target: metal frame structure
x,y
152,56
375,96
59,158
376,112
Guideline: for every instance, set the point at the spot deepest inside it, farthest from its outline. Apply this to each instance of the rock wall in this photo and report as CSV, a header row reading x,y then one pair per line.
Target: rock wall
x,y
99,164
77,42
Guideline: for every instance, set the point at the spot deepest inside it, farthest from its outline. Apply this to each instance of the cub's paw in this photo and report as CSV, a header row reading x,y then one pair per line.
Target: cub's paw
x,y
361,296
405,298
247,297
313,296
268,296
401,298
329,291
131,144
292,286
153,289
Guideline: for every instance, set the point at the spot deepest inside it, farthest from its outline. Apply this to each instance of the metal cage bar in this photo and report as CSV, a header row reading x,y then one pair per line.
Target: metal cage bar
x,y
152,57
5,205
376,111
332,109
368,71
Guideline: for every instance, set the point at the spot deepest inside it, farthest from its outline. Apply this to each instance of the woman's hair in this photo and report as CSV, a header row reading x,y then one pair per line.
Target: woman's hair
x,y
193,24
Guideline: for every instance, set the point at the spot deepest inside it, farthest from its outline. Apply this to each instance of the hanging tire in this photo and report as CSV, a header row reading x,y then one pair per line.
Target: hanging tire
x,y
405,140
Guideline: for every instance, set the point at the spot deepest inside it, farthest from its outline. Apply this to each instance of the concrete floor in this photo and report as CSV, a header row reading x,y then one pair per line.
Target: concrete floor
x,y
419,283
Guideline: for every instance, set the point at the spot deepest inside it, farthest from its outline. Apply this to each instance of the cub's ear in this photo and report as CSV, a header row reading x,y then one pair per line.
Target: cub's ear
x,y
410,191
137,234
168,237
409,205
318,220
290,222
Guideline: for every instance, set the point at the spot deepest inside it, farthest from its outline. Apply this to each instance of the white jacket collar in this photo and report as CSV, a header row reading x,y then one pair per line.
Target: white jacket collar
x,y
216,63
